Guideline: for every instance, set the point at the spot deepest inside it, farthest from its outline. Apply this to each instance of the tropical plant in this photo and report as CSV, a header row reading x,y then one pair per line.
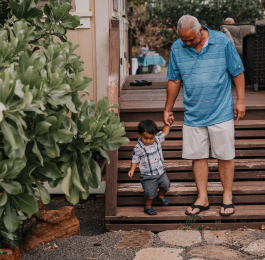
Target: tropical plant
x,y
38,90
210,13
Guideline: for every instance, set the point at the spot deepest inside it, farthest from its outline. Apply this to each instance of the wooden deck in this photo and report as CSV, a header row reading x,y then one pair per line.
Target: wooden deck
x,y
139,103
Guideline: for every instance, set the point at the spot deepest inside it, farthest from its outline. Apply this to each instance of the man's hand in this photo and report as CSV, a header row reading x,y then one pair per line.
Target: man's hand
x,y
130,174
239,110
168,118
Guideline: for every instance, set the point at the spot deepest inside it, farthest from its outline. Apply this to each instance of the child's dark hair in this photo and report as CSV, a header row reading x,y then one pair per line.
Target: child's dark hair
x,y
147,126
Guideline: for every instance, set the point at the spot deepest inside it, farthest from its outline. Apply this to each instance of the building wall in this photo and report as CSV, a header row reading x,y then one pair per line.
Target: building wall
x,y
93,40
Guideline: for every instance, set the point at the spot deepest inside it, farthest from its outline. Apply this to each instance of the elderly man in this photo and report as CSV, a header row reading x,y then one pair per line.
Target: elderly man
x,y
229,20
204,60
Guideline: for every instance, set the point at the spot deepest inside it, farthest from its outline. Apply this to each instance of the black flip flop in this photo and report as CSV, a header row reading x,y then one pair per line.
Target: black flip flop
x,y
200,207
137,83
149,83
227,206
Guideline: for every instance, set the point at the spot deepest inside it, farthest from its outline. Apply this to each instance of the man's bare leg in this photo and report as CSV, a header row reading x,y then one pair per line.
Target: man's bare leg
x,y
226,170
200,171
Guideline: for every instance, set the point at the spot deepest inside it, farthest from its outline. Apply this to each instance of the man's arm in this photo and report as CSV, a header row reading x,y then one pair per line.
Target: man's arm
x,y
173,88
240,108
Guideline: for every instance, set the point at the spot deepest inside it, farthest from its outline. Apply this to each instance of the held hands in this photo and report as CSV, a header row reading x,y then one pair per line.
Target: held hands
x,y
168,118
239,110
130,174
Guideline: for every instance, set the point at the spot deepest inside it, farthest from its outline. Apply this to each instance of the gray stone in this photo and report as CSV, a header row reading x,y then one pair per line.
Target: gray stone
x,y
135,239
256,248
182,238
216,253
159,253
230,237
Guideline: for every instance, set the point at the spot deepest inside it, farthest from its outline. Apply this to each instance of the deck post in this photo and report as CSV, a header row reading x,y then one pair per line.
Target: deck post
x,y
111,184
113,93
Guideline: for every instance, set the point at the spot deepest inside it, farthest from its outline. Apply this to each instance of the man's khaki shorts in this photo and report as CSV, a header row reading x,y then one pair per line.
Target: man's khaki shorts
x,y
196,141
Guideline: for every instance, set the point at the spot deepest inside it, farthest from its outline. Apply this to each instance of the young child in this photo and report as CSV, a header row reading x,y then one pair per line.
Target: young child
x,y
148,154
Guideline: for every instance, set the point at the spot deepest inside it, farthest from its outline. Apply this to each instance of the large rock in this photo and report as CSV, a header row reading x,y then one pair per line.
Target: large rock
x,y
216,253
135,239
13,253
256,248
183,238
159,253
51,225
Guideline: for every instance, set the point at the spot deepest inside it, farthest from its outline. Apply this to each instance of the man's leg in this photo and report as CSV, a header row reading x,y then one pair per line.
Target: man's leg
x,y
226,170
200,171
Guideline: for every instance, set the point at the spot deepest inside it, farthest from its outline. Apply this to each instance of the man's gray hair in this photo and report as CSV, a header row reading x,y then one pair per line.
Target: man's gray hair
x,y
187,23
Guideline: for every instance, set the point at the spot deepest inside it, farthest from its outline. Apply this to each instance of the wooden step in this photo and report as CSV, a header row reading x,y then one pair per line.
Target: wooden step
x,y
189,188
177,144
248,124
188,176
242,133
176,213
186,165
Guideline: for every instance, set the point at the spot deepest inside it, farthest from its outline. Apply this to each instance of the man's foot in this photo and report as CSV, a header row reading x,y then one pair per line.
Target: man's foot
x,y
227,200
227,206
163,201
195,210
200,207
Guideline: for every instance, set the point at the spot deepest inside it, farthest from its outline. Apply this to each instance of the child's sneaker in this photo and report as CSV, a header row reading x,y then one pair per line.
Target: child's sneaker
x,y
150,211
163,201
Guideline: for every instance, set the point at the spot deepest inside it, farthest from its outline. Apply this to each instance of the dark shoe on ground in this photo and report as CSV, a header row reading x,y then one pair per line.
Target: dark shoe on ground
x,y
163,201
137,83
227,206
146,82
150,211
200,207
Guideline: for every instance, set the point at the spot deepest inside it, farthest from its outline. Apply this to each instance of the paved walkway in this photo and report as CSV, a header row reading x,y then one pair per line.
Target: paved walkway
x,y
195,245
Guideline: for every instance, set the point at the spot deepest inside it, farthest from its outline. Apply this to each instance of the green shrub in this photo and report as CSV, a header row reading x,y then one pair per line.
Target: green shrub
x,y
38,89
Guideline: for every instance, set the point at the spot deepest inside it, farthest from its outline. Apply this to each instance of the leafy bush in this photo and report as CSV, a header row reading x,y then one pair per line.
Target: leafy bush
x,y
38,89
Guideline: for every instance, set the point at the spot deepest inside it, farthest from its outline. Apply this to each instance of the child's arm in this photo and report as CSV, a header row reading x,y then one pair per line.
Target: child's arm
x,y
166,130
131,172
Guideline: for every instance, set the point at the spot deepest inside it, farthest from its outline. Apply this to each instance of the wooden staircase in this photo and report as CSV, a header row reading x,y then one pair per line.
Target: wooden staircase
x,y
248,189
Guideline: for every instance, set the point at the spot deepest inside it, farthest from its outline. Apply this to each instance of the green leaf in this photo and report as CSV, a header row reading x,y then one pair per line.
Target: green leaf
x,y
75,178
64,136
10,219
66,183
50,170
36,151
27,203
42,128
71,21
44,194
104,154
74,195
11,187
3,199
11,135
95,177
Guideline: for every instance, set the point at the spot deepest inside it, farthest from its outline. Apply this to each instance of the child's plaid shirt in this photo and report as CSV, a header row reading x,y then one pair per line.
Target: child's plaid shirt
x,y
150,158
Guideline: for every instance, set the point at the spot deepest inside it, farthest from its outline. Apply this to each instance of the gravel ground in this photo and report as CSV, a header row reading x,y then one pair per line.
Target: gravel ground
x,y
93,243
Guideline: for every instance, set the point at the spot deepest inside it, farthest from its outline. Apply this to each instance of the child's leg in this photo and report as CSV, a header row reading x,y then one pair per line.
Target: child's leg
x,y
161,194
148,203
163,185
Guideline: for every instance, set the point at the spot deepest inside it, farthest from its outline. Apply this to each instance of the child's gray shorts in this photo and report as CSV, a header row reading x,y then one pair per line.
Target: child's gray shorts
x,y
151,183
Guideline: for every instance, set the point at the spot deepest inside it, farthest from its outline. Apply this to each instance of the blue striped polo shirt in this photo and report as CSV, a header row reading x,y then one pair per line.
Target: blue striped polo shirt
x,y
206,76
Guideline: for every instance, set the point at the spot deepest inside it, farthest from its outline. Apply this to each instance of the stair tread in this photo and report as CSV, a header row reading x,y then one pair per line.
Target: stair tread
x,y
189,188
176,213
130,126
177,144
171,165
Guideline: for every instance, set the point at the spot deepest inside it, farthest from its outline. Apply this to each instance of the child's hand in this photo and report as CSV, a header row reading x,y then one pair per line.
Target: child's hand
x,y
130,174
171,120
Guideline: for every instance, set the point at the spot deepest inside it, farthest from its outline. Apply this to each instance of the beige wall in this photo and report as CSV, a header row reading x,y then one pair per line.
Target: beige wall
x,y
94,46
